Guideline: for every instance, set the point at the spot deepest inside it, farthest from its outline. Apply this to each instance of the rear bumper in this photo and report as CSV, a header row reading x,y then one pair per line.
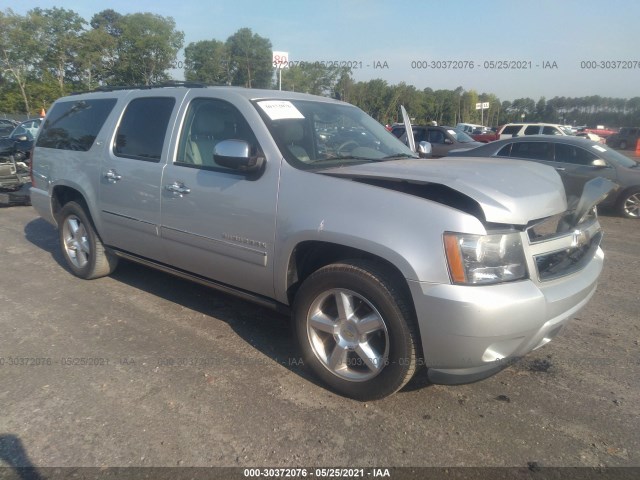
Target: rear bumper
x,y
469,333
41,201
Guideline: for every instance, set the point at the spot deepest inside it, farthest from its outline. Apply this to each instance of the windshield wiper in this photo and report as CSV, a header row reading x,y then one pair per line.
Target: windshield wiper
x,y
398,155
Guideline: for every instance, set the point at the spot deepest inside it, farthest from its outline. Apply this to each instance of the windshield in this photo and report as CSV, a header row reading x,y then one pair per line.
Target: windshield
x,y
313,134
615,157
567,130
461,136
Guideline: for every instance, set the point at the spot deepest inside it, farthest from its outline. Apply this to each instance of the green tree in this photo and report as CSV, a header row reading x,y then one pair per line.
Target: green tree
x,y
146,48
206,61
19,52
250,59
313,78
60,35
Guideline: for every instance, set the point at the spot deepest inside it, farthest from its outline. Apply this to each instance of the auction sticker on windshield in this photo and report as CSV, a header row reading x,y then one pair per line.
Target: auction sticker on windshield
x,y
280,109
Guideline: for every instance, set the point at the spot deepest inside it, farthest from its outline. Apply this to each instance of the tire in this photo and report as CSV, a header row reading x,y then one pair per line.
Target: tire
x,y
372,351
629,204
81,247
623,144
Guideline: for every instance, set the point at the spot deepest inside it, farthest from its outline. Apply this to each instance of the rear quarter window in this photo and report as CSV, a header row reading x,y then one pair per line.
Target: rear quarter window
x,y
74,125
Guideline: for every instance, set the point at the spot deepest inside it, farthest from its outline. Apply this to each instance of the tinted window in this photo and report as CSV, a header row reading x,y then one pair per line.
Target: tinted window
x,y
420,135
74,125
505,151
398,131
143,128
572,154
208,122
511,129
532,130
436,136
533,150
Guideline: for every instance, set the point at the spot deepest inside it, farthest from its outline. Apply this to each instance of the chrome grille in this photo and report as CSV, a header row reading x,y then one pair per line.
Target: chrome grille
x,y
568,260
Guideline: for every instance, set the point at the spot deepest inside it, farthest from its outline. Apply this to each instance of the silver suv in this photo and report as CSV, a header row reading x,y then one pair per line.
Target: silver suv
x,y
518,129
385,261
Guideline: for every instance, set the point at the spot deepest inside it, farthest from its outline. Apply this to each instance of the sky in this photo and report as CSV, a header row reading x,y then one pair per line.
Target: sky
x,y
554,44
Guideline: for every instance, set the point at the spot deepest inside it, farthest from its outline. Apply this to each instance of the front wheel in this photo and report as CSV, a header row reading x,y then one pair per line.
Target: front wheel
x,y
81,247
356,329
629,205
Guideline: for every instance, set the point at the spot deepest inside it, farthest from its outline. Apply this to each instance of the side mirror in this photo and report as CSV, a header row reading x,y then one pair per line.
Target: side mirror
x,y
448,141
424,149
236,154
598,162
21,138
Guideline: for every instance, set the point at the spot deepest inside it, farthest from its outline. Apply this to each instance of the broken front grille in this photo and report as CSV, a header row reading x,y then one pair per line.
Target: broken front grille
x,y
559,248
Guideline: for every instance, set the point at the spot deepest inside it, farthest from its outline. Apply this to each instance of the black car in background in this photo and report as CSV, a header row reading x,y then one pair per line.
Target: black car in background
x,y
626,138
20,141
577,160
441,138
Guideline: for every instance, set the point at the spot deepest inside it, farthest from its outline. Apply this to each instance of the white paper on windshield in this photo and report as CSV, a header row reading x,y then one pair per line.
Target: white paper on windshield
x,y
280,109
599,148
452,132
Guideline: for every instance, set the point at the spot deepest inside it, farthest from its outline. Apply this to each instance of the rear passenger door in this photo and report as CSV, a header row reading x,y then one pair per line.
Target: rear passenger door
x,y
216,221
131,173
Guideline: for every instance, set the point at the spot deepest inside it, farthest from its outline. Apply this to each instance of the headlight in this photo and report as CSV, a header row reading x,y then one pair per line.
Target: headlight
x,y
484,259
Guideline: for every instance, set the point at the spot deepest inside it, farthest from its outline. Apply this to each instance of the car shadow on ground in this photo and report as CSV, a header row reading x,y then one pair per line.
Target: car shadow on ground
x,y
14,456
266,330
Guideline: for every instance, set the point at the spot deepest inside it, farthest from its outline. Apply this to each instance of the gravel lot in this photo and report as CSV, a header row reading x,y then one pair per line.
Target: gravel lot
x,y
143,369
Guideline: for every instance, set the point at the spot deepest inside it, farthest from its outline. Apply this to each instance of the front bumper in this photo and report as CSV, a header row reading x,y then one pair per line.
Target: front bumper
x,y
471,332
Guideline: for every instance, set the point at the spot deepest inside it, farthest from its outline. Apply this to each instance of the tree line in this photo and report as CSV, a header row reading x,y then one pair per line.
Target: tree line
x,y
48,53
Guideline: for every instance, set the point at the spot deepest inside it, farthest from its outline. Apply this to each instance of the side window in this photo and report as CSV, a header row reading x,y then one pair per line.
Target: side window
x,y
551,131
505,151
207,122
571,154
511,129
143,128
436,136
532,130
75,125
532,150
419,135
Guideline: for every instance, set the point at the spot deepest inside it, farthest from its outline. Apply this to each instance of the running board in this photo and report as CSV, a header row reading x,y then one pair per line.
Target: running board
x,y
221,287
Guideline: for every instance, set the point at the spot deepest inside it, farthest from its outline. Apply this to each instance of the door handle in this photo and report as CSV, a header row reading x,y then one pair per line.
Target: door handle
x,y
112,175
177,188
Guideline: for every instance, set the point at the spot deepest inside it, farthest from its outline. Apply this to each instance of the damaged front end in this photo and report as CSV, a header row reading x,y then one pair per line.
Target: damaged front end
x,y
14,182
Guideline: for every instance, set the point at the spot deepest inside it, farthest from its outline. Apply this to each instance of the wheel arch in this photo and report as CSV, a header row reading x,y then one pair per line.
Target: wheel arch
x,y
311,255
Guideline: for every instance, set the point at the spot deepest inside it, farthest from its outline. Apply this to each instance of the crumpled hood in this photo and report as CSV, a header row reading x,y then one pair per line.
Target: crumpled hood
x,y
508,191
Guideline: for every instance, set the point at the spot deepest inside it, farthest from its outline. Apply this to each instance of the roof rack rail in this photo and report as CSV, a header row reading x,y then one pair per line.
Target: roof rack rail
x,y
168,84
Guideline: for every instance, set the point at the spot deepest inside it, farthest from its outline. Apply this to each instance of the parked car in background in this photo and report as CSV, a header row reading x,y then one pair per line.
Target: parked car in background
x,y
7,126
627,137
20,141
441,138
577,160
591,136
519,129
485,135
599,130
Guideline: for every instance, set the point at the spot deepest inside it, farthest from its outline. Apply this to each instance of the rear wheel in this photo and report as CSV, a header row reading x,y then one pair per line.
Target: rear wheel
x,y
81,247
356,330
